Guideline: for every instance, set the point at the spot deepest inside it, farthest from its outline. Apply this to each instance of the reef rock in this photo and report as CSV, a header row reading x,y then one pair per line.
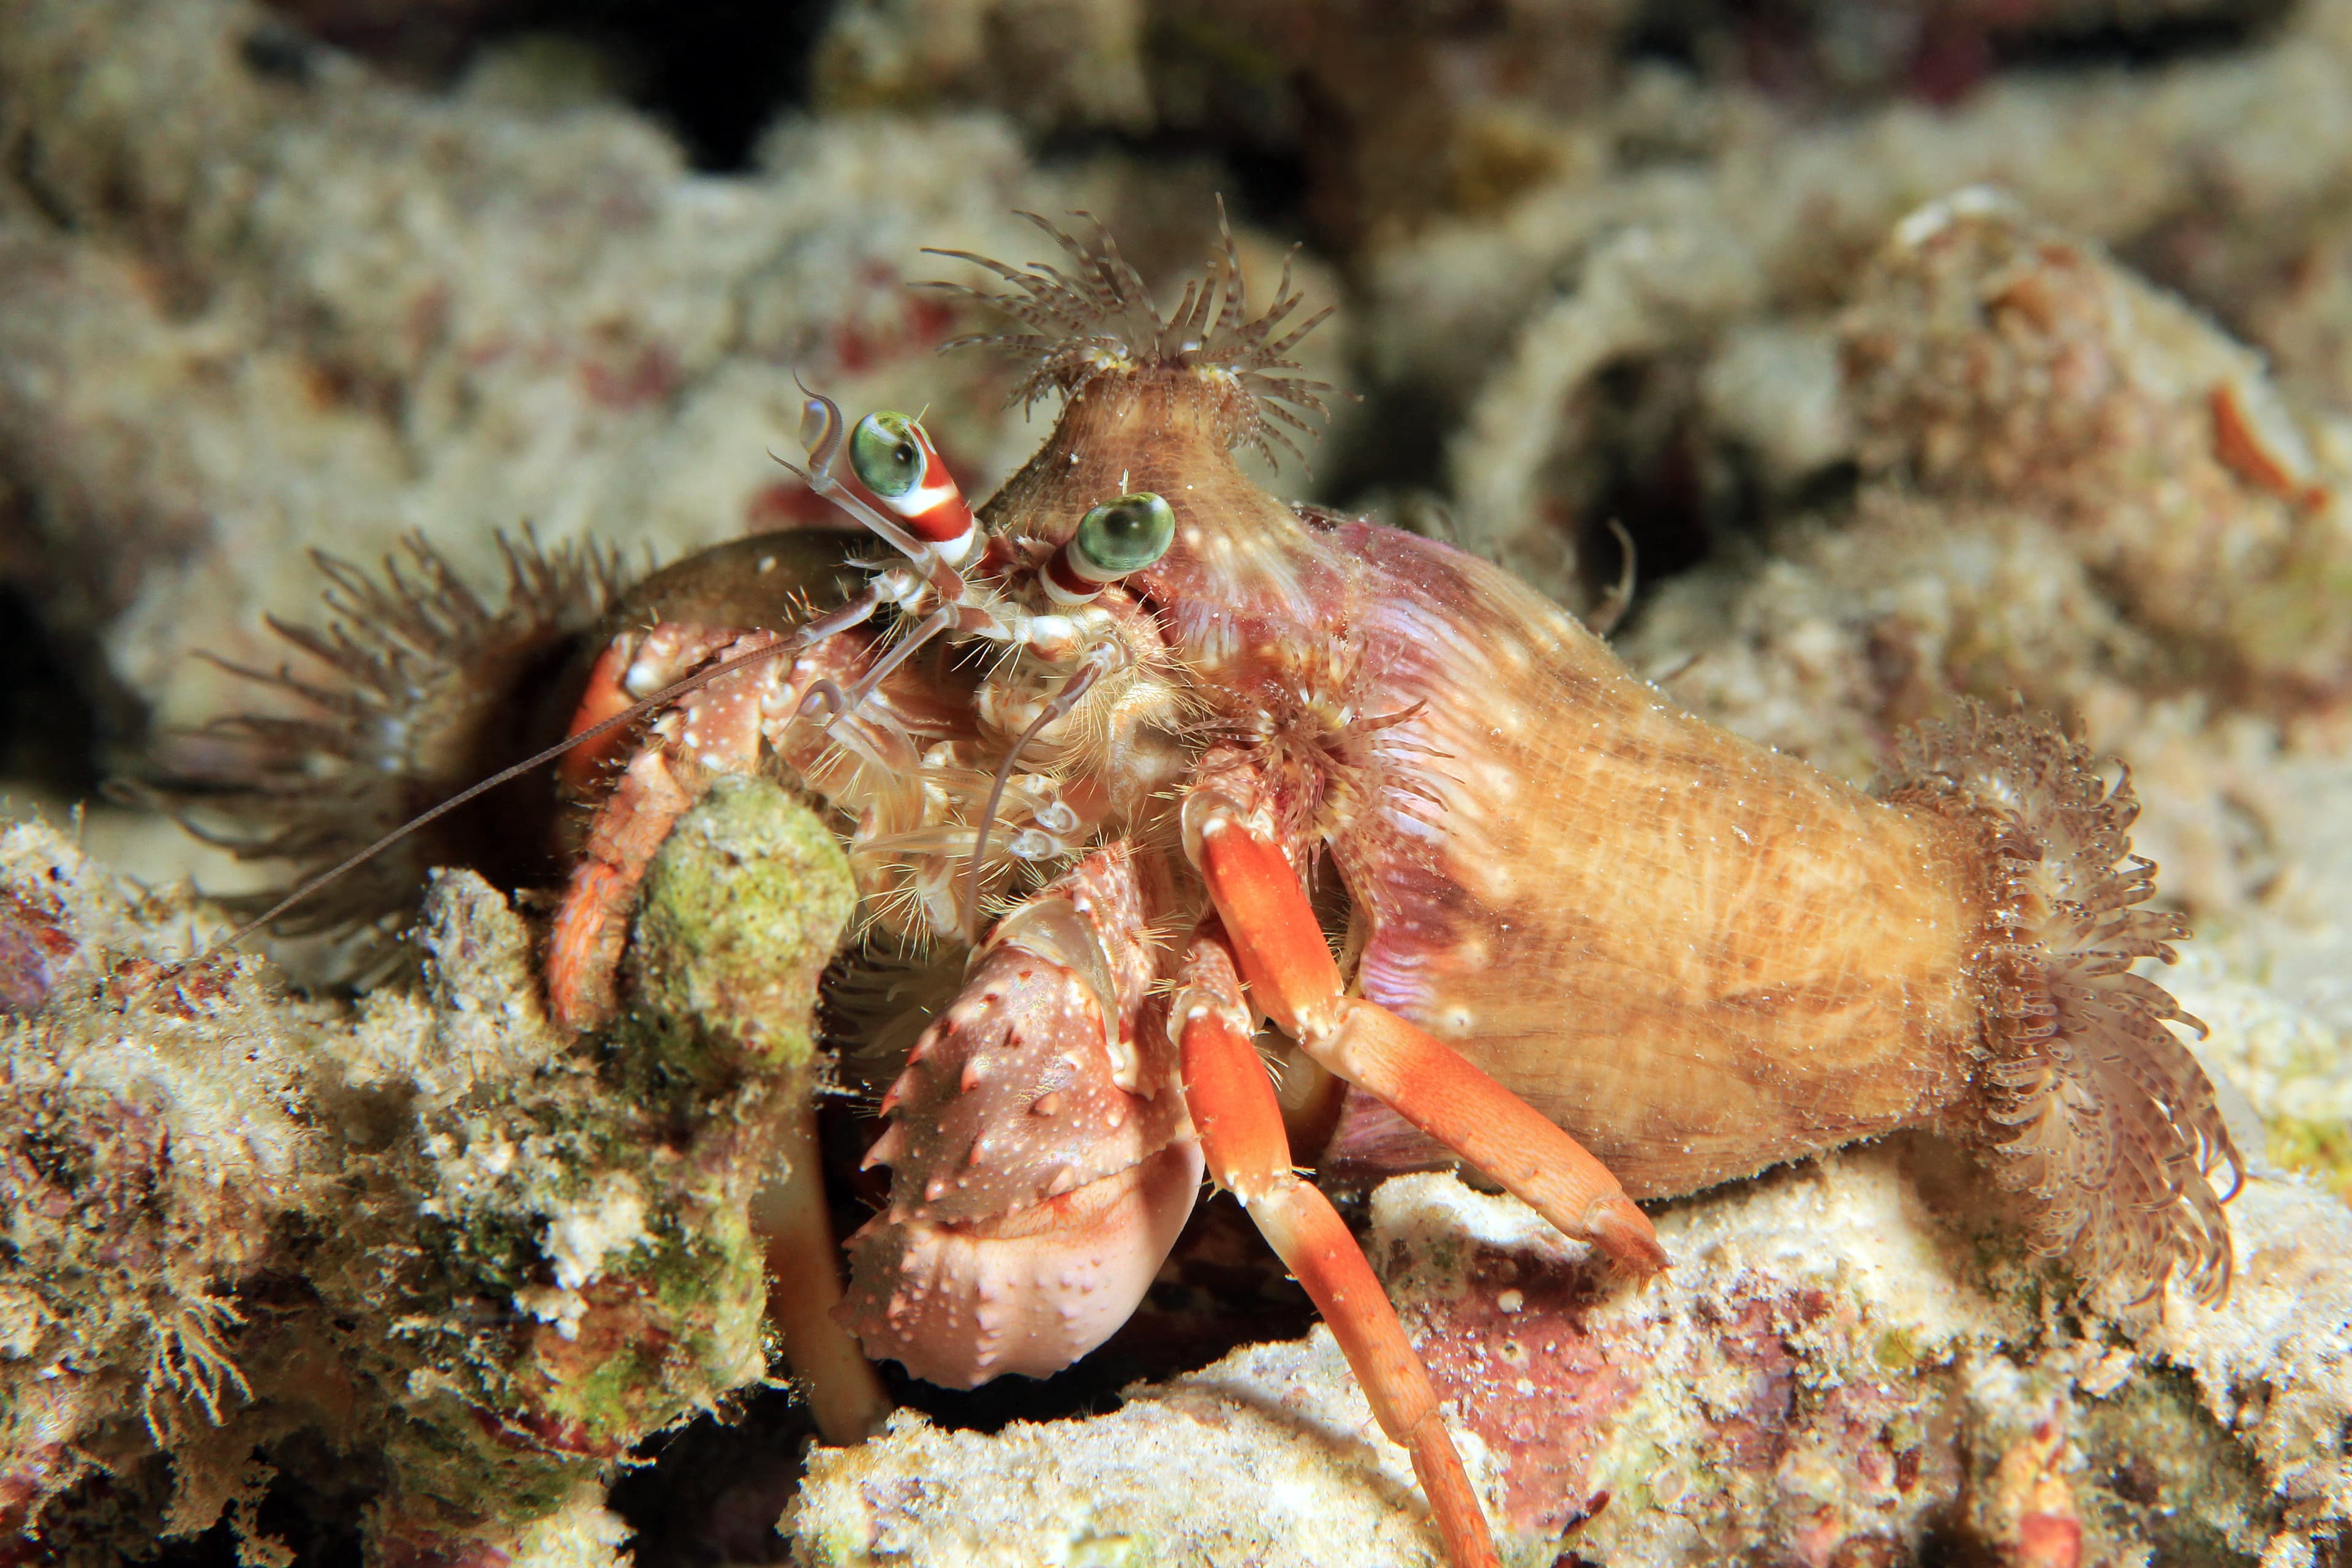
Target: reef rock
x,y
428,1254
1839,1369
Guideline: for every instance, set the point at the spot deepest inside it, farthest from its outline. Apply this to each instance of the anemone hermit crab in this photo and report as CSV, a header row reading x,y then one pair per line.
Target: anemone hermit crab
x,y
1148,743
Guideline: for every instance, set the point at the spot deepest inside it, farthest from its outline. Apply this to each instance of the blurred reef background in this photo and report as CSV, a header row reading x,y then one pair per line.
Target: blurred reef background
x,y
1957,348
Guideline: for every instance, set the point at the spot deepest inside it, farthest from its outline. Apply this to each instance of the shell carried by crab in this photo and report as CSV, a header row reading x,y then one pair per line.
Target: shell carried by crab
x,y
1145,745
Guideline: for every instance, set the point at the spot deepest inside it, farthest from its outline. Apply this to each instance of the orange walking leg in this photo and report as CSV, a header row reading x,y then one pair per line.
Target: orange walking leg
x,y
591,926
715,730
606,695
1240,1123
1293,979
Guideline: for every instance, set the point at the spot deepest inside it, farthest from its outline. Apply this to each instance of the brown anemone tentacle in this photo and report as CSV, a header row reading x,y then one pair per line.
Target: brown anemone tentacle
x,y
416,684
2090,1104
1102,321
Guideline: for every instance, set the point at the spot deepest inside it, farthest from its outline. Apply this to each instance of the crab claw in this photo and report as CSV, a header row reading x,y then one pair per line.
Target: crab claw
x,y
1041,1161
1030,1291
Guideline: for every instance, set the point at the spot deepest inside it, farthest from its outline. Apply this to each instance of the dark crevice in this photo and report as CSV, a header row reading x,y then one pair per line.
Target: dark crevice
x,y
28,173
318,1523
49,732
2153,42
280,52
711,1492
1263,187
1395,442
718,72
1835,56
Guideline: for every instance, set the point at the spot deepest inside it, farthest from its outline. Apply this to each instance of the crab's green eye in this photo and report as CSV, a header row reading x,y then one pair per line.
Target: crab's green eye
x,y
1123,535
886,453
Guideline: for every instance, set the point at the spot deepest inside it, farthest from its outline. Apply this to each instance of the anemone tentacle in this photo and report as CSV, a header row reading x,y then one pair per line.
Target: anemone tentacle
x,y
2089,1100
413,667
1098,318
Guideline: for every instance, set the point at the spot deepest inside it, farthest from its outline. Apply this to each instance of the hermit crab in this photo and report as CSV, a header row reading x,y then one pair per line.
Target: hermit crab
x,y
1183,776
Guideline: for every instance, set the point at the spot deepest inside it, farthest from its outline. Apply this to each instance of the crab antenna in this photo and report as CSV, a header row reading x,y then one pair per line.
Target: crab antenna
x,y
1082,679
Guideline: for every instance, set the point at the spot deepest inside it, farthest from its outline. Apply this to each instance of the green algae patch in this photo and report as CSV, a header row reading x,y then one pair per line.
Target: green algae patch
x,y
644,1276
457,1466
714,1279
741,910
2321,1148
1897,1350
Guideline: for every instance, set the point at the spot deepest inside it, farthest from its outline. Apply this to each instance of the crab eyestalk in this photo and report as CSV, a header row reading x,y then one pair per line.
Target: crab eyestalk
x,y
893,457
1113,541
821,435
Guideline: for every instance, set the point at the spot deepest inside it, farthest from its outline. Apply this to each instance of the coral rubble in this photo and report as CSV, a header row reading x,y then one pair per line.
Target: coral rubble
x,y
427,1251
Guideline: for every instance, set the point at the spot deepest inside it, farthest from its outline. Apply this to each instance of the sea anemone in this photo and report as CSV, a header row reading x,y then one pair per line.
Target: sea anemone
x,y
2089,1102
1098,320
423,688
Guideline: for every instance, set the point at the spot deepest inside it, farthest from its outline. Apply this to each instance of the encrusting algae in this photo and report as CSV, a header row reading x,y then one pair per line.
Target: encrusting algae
x,y
425,1252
